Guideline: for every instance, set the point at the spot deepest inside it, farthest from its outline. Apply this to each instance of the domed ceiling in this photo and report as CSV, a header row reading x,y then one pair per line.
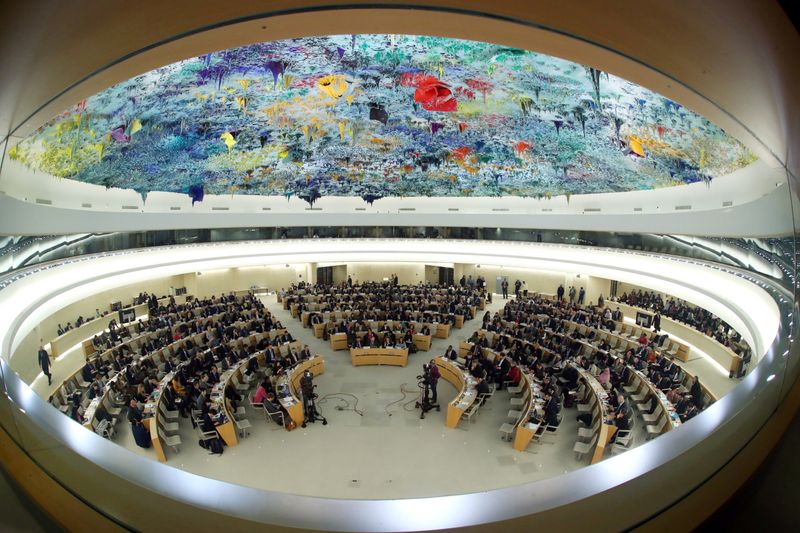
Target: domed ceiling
x,y
377,116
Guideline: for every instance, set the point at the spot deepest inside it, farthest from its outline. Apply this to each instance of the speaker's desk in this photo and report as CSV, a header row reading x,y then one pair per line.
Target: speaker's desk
x,y
379,356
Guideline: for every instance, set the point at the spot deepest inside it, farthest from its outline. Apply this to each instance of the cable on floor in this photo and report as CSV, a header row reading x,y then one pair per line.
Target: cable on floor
x,y
346,406
404,392
412,400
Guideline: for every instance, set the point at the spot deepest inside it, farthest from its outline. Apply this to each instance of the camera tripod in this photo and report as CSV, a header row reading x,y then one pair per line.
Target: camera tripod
x,y
424,401
310,410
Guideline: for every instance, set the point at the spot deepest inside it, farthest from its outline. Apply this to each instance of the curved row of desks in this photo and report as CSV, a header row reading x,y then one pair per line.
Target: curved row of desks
x,y
95,326
665,408
339,341
600,410
160,356
618,339
720,353
458,376
227,430
440,330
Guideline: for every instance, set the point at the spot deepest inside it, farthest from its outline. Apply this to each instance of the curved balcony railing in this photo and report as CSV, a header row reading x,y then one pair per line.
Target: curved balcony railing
x,y
82,461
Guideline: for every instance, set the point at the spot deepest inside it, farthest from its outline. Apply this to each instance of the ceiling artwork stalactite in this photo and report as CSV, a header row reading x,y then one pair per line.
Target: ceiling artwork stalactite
x,y
377,116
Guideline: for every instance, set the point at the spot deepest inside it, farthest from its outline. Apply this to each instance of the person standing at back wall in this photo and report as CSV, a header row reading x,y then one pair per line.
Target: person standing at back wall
x,y
44,363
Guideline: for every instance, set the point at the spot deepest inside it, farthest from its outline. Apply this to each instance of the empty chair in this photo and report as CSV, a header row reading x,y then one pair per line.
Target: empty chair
x,y
650,418
471,410
113,411
518,402
173,441
645,406
585,434
632,387
238,385
516,390
243,425
655,430
506,431
514,414
169,415
624,442
641,396
582,448
169,427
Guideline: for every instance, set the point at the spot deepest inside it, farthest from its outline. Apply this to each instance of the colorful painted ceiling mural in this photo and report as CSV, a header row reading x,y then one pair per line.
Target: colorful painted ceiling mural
x,y
376,116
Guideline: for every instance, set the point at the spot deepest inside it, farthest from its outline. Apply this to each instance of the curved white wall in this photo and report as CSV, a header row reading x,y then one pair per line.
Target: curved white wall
x,y
750,201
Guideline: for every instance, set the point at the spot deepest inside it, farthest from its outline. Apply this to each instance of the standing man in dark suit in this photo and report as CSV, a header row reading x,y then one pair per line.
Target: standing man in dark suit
x,y
504,286
517,285
44,363
560,292
657,322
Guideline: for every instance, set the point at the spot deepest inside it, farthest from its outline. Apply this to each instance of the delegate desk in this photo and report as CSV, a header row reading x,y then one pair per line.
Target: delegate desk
x,y
338,341
442,330
422,342
464,382
152,418
289,383
601,409
227,430
379,356
664,407
525,429
98,401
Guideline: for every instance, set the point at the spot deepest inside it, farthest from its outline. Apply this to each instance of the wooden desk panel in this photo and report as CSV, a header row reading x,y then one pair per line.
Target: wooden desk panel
x,y
379,356
422,342
338,341
442,331
525,432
